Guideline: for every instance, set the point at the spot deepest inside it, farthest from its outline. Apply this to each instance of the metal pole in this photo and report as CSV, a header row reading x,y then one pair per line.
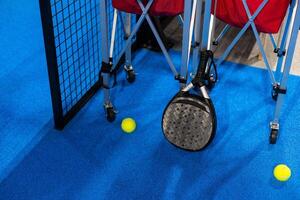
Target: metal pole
x,y
185,39
134,31
288,62
206,25
127,34
260,45
282,47
197,37
105,49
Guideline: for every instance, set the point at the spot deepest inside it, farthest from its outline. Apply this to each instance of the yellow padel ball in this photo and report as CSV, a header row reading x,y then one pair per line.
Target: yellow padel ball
x,y
128,125
282,172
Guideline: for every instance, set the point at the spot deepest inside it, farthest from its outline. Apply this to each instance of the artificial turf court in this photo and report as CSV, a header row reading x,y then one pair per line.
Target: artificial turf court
x,y
94,159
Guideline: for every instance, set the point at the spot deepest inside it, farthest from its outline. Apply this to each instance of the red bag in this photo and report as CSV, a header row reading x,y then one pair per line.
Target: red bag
x,y
158,8
268,20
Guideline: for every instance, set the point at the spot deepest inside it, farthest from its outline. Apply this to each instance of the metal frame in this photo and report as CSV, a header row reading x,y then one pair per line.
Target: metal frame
x,y
188,25
60,119
47,23
222,34
191,26
197,38
287,64
202,35
282,48
279,46
241,33
63,111
285,58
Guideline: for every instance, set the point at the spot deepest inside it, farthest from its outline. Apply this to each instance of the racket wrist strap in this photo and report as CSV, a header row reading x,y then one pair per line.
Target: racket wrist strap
x,y
197,82
203,75
202,64
200,77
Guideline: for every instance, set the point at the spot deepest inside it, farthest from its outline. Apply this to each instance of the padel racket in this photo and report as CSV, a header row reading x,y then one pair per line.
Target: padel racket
x,y
189,120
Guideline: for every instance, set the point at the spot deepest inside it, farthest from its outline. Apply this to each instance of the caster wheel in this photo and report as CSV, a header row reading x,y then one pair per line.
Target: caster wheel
x,y
130,76
273,136
110,114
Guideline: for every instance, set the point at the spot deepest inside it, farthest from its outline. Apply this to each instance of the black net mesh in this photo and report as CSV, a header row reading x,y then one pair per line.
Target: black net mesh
x,y
78,46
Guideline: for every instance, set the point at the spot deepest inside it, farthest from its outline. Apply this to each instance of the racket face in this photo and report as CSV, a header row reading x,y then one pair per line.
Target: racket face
x,y
189,122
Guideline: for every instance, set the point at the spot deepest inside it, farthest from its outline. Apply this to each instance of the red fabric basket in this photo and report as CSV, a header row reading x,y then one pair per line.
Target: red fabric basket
x,y
158,8
269,20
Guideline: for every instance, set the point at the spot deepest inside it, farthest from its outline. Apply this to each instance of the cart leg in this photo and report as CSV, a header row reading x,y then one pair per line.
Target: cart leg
x,y
206,26
133,32
185,43
286,72
105,76
217,40
159,40
258,40
286,33
197,39
242,31
130,74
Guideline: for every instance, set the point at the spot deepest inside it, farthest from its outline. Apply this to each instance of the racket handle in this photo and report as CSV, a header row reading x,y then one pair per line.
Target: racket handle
x,y
199,79
204,55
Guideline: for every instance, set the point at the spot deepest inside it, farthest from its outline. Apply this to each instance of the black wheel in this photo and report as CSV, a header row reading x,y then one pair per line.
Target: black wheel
x,y
273,136
130,76
110,114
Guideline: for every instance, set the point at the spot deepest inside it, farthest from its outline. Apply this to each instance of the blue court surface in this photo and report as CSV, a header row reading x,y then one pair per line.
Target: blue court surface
x,y
94,159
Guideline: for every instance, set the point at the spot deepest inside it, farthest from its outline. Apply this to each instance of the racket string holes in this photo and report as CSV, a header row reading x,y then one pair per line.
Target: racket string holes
x,y
185,123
